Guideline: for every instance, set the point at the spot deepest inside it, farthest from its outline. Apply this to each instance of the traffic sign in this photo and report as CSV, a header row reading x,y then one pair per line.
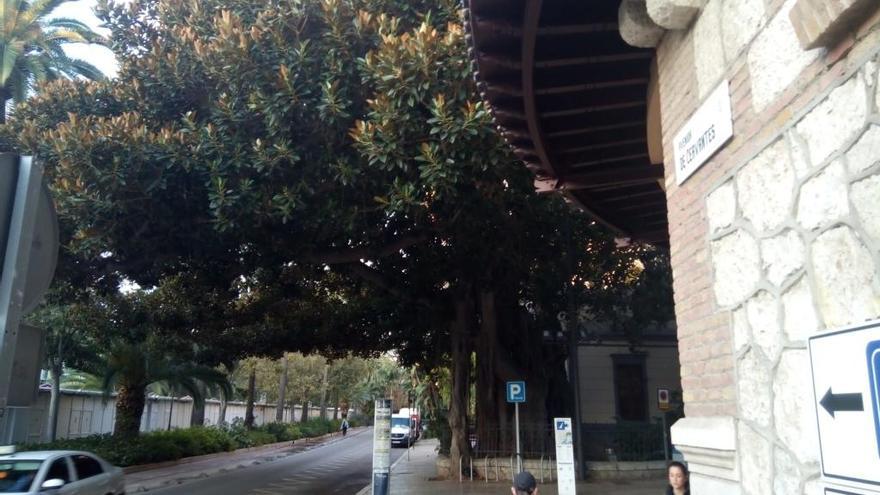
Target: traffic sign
x,y
663,399
516,391
829,490
845,366
564,456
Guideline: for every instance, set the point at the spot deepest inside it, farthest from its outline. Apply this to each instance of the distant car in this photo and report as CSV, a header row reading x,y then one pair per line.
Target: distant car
x,y
59,472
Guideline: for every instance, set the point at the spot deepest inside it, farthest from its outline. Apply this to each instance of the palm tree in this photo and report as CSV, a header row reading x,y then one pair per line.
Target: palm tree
x,y
31,48
131,368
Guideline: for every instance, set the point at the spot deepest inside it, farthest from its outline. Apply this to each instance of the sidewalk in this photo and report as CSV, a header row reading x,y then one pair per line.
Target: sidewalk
x,y
152,477
412,476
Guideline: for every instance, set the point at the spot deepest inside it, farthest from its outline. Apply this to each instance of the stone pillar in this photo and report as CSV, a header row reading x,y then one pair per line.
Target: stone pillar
x,y
673,14
636,26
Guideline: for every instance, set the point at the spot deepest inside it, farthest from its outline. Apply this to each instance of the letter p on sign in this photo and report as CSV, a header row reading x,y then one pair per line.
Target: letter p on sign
x,y
516,391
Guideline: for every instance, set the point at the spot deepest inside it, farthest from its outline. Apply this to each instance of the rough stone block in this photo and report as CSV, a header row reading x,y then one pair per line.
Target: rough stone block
x,y
787,475
776,59
823,199
721,207
737,260
753,383
742,337
799,313
865,196
742,20
800,157
756,456
836,120
763,314
765,187
846,290
673,14
795,419
782,256
708,50
636,27
866,152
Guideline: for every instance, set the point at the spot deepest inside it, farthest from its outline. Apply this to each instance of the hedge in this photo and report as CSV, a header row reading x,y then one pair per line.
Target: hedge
x,y
159,446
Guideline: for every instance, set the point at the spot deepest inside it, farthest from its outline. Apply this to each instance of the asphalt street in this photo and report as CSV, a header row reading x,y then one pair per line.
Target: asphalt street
x,y
342,466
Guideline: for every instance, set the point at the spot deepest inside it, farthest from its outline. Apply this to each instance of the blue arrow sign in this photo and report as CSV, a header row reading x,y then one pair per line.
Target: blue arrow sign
x,y
874,384
516,391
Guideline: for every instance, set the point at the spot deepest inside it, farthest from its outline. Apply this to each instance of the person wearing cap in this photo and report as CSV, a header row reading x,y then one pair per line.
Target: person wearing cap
x,y
524,484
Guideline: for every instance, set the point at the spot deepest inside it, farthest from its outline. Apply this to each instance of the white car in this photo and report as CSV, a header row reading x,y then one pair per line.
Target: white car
x,y
59,473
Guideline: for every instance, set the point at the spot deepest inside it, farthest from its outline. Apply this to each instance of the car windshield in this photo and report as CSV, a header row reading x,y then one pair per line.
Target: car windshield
x,y
16,476
400,422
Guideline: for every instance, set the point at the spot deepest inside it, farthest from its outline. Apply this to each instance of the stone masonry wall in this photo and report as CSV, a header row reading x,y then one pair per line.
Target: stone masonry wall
x,y
777,236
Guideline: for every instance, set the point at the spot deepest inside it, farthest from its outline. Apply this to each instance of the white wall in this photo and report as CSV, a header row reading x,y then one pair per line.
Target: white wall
x,y
597,379
82,414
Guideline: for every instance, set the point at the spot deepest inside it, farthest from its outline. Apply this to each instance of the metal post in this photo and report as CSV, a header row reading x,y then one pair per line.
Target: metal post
x,y
518,453
26,195
665,439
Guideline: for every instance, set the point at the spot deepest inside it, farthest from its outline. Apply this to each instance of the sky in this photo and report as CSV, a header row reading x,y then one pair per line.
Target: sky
x,y
100,57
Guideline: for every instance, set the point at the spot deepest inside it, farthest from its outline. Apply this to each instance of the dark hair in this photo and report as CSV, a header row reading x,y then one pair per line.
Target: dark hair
x,y
679,465
684,470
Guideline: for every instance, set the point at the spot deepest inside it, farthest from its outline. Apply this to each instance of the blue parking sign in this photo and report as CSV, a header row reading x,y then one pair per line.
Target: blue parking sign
x,y
516,391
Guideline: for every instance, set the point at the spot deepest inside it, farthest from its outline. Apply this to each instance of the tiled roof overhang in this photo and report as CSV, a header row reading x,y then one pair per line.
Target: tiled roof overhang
x,y
570,96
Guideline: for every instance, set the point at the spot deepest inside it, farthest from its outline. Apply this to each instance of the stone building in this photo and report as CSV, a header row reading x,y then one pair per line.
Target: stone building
x,y
773,218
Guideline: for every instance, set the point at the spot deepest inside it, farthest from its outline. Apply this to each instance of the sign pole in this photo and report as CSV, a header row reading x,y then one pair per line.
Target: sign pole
x,y
382,447
518,452
15,263
516,393
665,439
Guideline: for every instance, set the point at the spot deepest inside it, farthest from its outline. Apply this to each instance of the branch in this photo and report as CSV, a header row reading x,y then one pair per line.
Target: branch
x,y
375,278
355,255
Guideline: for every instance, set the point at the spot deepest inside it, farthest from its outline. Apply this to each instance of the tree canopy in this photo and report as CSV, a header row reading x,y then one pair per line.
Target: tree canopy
x,y
317,175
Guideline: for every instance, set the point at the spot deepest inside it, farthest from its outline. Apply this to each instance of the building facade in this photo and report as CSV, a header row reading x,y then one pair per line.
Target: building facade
x,y
774,236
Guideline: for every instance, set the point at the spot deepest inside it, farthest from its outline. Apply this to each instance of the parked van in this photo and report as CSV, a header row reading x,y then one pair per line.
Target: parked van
x,y
403,430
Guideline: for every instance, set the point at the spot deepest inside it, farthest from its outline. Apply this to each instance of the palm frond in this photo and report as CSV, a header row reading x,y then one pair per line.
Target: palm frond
x,y
11,52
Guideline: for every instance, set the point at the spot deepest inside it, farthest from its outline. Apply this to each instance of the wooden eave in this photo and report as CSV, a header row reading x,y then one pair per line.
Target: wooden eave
x,y
571,97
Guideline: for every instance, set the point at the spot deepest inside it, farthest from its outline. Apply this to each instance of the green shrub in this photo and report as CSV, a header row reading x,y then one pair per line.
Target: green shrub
x,y
159,446
260,438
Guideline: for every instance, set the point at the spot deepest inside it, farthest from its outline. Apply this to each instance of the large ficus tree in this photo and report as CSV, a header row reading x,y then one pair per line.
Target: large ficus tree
x,y
323,176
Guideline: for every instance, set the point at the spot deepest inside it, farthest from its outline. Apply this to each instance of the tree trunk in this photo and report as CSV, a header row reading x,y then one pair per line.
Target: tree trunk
x,y
249,410
488,433
461,365
130,401
57,372
197,418
282,392
336,409
324,393
304,414
221,417
170,412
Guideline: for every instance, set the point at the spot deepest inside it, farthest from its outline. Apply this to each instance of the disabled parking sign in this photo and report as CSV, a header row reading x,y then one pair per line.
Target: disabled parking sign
x,y
845,367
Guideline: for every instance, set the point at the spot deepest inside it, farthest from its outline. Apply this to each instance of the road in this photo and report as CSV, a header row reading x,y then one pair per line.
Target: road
x,y
341,466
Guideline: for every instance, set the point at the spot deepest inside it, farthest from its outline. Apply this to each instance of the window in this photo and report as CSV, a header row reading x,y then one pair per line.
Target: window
x,y
86,467
629,387
59,470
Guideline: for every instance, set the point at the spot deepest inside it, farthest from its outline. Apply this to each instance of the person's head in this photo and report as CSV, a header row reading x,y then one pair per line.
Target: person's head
x,y
524,484
678,475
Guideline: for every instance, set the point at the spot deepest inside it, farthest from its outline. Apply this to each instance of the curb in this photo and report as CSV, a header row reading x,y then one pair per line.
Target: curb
x,y
216,455
365,490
